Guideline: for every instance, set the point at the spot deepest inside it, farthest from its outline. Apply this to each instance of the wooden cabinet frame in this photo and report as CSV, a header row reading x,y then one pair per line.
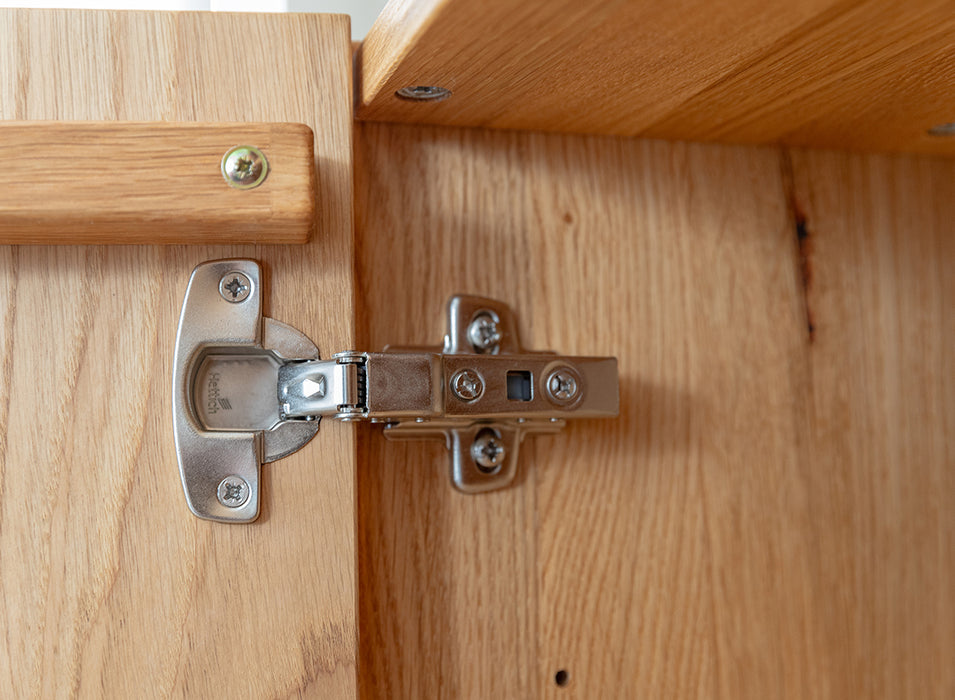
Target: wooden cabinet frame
x,y
772,514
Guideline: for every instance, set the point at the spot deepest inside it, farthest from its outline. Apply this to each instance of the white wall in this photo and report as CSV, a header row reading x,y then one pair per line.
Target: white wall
x,y
363,12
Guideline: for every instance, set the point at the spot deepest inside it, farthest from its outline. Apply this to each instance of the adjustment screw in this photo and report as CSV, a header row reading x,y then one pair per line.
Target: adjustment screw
x,y
488,451
233,492
563,385
235,287
244,167
467,384
483,333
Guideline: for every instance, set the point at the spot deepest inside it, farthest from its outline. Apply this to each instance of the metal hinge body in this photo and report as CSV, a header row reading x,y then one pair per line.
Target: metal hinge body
x,y
250,385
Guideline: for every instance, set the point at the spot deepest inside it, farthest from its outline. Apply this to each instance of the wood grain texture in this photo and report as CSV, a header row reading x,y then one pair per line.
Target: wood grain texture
x,y
860,74
879,249
447,580
152,182
109,587
770,516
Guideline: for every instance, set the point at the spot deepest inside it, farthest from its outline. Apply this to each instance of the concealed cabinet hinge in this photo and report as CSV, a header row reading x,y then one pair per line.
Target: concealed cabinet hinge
x,y
249,389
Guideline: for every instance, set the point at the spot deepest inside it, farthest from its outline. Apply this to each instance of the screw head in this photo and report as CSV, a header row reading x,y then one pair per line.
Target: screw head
x,y
233,492
244,167
488,451
423,93
484,333
235,287
943,130
563,385
467,385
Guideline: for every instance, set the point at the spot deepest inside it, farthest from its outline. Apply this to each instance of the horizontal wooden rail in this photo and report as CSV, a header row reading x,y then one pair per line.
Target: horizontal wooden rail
x,y
153,182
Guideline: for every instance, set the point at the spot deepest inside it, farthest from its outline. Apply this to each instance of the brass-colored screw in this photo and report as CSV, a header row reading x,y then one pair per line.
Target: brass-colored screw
x,y
244,167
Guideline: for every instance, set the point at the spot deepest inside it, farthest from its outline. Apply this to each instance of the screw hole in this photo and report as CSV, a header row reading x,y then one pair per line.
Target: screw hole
x,y
561,678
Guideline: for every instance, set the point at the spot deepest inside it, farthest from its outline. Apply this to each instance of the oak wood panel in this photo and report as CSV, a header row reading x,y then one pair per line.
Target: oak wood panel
x,y
445,578
109,587
732,534
861,74
152,182
879,249
869,75
674,545
635,554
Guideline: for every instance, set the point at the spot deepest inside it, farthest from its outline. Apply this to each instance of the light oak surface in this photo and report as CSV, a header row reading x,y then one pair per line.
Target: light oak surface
x,y
860,74
772,514
109,587
879,254
152,182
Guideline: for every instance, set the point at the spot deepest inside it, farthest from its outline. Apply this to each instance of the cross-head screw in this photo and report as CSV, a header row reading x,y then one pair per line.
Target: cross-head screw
x,y
235,287
488,451
233,492
467,385
563,385
244,167
484,333
424,93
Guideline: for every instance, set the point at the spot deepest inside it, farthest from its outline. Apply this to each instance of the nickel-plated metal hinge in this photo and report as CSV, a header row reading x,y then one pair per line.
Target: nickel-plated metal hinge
x,y
248,390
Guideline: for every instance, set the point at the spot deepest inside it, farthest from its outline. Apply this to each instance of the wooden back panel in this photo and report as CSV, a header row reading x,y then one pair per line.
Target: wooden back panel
x,y
772,514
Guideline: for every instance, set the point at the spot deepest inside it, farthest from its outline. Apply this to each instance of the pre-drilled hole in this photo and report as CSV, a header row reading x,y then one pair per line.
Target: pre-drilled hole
x,y
561,678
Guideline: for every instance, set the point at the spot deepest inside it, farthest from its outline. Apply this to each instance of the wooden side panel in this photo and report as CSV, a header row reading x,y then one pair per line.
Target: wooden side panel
x,y
879,251
153,182
449,581
770,516
109,587
866,74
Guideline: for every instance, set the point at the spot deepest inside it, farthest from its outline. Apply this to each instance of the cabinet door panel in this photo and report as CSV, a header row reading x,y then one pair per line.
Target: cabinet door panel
x,y
109,586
